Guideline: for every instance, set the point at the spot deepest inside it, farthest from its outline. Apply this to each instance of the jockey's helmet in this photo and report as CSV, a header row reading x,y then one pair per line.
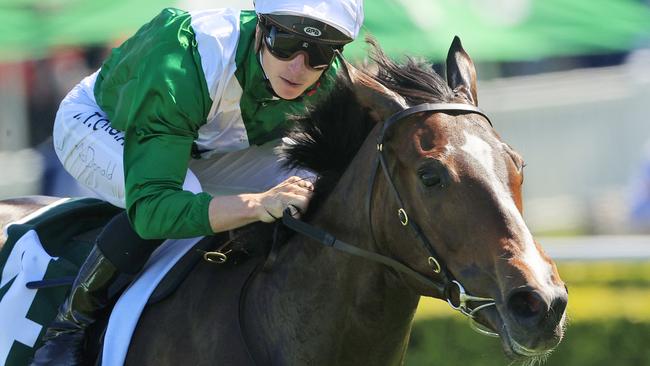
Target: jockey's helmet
x,y
326,21
316,27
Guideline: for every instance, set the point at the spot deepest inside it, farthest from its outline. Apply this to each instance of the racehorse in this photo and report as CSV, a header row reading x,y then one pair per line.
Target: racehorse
x,y
420,196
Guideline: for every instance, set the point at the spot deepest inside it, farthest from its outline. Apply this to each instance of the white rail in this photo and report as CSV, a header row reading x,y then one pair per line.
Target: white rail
x,y
597,248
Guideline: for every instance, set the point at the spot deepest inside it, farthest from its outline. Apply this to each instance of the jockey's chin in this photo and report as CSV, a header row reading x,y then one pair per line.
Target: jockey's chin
x,y
290,78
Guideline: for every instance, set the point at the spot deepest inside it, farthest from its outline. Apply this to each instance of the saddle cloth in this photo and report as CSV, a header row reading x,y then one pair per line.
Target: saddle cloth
x,y
43,246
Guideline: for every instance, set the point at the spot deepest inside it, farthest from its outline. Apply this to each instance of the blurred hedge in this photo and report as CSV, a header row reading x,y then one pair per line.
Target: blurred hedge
x,y
450,342
609,313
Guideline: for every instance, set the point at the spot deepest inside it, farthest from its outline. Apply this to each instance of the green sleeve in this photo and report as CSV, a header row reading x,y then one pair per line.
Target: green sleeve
x,y
153,88
157,205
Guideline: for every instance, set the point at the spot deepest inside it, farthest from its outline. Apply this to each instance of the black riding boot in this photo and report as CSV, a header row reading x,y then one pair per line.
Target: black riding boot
x,y
90,295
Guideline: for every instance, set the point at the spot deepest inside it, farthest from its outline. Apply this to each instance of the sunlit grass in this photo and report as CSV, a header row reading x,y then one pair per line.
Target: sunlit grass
x,y
597,290
606,273
433,308
593,303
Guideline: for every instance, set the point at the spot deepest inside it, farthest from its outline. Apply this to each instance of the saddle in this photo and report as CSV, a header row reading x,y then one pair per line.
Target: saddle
x,y
235,246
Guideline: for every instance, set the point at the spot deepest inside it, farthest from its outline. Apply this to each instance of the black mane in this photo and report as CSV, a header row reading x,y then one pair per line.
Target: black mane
x,y
414,80
330,134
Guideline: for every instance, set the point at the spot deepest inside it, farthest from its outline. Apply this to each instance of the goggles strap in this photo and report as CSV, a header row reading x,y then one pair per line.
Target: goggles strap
x,y
261,60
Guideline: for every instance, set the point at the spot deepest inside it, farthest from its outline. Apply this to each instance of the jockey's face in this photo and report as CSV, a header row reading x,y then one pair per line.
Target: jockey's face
x,y
289,79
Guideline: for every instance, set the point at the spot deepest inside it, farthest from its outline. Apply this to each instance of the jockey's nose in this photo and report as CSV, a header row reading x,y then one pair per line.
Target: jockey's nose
x,y
297,64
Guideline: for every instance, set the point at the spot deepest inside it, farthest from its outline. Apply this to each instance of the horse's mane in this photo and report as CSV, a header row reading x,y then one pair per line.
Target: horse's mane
x,y
329,135
415,80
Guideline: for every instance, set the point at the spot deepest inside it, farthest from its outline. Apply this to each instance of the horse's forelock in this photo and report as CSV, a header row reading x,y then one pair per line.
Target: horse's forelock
x,y
414,80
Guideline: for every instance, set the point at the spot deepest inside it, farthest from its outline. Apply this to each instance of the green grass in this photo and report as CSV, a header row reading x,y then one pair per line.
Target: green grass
x,y
609,323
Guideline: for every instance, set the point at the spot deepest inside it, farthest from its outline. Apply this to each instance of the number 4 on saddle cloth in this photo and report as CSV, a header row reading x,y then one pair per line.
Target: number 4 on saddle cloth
x,y
47,248
42,256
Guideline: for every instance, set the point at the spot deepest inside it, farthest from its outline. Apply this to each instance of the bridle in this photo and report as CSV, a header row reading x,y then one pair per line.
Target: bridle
x,y
446,283
445,286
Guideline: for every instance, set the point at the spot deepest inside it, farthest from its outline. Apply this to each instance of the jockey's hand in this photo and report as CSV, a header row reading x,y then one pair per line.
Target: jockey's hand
x,y
231,212
294,191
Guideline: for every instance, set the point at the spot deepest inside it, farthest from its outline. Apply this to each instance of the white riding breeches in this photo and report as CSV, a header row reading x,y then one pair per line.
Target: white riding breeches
x,y
91,151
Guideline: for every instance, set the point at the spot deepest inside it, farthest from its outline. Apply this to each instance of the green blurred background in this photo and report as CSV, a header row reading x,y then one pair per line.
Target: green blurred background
x,y
566,83
494,30
609,323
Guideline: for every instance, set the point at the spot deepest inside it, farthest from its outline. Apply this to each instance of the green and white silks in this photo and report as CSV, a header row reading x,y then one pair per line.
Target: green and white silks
x,y
183,80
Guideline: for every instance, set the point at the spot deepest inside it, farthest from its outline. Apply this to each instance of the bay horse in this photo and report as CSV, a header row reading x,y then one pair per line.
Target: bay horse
x,y
423,195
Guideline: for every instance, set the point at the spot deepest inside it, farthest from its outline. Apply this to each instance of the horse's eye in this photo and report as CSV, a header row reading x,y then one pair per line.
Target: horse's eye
x,y
429,179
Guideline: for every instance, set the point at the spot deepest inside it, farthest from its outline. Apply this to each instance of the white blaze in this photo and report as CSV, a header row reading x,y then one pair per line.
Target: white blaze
x,y
482,152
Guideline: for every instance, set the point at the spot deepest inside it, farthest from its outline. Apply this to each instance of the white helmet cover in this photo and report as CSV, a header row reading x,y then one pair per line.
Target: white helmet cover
x,y
344,15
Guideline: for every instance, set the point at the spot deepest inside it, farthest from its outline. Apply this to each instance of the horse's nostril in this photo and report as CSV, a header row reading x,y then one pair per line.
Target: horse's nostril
x,y
558,306
527,307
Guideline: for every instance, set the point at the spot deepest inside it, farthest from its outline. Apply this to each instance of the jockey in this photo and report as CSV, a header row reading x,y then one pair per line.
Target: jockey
x,y
180,126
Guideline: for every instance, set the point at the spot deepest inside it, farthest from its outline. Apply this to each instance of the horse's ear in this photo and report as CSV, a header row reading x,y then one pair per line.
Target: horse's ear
x,y
461,74
381,101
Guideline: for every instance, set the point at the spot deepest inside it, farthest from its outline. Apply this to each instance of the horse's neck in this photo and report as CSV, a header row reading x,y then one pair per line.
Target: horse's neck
x,y
329,307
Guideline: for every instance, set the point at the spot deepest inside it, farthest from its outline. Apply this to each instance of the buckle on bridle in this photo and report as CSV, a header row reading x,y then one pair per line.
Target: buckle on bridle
x,y
403,217
434,265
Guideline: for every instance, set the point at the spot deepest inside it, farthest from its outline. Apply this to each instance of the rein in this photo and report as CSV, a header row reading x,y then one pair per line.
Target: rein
x,y
329,240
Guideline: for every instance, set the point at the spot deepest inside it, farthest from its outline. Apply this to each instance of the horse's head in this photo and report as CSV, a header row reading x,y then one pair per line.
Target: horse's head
x,y
460,185
443,195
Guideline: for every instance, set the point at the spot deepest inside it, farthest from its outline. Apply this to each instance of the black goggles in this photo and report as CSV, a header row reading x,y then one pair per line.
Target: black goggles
x,y
286,46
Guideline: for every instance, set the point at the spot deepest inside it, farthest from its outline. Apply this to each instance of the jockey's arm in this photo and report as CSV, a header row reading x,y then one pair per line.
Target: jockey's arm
x,y
230,212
